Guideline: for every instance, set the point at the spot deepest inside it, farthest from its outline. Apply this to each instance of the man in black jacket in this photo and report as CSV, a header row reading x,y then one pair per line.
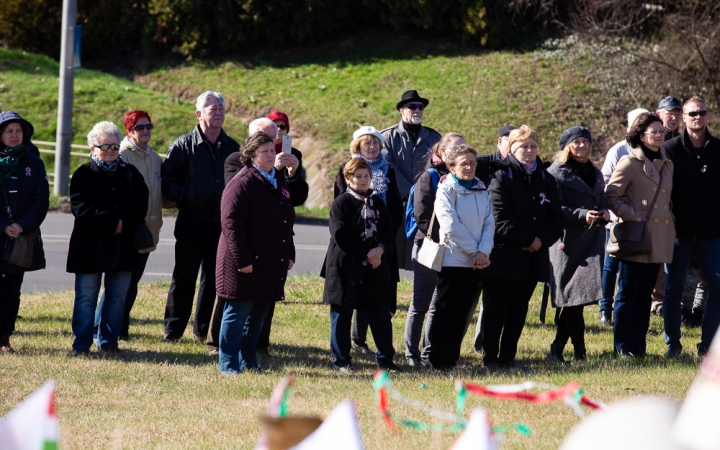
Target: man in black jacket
x,y
696,205
193,178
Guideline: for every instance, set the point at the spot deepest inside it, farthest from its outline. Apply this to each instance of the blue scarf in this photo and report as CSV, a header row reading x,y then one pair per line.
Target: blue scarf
x,y
269,176
105,166
379,168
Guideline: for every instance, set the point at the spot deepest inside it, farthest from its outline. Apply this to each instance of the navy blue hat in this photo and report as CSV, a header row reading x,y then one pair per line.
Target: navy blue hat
x,y
12,116
505,131
573,133
669,103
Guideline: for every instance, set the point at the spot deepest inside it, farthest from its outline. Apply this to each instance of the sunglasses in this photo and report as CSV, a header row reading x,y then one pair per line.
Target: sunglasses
x,y
108,147
143,127
697,113
414,106
282,126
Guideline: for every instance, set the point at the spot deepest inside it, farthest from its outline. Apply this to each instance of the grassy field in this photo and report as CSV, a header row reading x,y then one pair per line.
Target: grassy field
x,y
165,395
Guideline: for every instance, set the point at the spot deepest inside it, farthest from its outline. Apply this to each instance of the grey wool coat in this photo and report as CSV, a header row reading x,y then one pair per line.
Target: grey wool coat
x,y
576,270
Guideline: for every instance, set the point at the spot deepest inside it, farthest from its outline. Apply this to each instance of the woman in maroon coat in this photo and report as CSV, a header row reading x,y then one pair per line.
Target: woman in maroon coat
x,y
256,251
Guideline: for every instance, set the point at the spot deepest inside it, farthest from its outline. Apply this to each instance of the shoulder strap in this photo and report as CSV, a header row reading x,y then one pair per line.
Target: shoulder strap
x,y
7,204
657,192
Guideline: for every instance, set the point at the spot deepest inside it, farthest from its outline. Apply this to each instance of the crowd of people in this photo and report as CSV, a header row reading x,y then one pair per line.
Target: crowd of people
x,y
475,229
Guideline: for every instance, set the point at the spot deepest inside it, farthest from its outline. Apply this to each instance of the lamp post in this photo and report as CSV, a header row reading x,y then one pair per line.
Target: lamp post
x,y
65,99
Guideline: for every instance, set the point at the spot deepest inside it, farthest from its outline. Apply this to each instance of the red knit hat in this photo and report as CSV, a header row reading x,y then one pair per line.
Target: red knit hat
x,y
279,115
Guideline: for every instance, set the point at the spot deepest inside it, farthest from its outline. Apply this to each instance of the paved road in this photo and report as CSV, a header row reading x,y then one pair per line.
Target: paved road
x,y
310,242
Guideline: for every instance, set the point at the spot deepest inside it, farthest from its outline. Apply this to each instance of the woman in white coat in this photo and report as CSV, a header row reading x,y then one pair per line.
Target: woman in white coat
x,y
467,228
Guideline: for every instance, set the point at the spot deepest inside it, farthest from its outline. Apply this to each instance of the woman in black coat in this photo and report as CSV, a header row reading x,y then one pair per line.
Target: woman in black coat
x,y
528,220
109,200
356,268
255,252
367,143
24,199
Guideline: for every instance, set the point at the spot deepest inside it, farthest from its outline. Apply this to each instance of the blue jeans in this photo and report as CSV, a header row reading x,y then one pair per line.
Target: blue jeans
x,y
240,329
87,288
609,278
707,254
380,326
632,306
132,291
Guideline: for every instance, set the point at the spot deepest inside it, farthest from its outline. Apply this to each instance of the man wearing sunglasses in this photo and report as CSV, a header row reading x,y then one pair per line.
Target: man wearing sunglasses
x,y
406,149
193,177
696,205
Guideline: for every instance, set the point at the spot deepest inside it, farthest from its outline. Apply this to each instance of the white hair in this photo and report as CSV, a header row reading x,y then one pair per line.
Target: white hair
x,y
100,131
202,99
260,125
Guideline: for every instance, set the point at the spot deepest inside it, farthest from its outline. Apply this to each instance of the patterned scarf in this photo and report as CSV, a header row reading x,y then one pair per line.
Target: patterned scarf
x,y
529,168
379,168
9,162
105,166
269,176
368,213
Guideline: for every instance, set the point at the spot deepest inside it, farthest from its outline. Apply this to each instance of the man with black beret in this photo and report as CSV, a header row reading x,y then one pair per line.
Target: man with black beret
x,y
670,111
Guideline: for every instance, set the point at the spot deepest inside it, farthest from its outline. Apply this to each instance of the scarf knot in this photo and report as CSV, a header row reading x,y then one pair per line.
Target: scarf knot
x,y
529,168
105,166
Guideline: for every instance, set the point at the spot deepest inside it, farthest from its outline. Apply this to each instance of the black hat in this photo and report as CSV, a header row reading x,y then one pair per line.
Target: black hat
x,y
411,96
669,103
505,131
573,133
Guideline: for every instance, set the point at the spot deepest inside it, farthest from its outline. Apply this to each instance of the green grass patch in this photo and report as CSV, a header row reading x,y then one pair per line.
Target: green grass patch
x,y
171,395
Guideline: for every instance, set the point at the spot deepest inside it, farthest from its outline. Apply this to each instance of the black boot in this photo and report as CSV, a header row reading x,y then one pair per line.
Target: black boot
x,y
556,353
5,345
580,352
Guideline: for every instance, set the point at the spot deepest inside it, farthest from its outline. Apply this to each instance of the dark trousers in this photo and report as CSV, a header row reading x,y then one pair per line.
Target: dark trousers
x,y
380,326
636,282
264,341
196,243
137,273
360,321
570,325
505,306
455,294
9,301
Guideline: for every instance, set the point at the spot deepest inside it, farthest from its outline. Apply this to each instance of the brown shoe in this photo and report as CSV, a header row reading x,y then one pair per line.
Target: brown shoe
x,y
5,345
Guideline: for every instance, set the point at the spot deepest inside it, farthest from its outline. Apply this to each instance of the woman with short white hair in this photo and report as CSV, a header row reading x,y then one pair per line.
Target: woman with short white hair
x,y
109,200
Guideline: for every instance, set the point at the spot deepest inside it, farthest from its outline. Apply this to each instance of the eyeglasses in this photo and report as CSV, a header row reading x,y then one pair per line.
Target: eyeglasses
x,y
697,113
414,106
142,127
108,147
370,143
282,126
655,133
470,164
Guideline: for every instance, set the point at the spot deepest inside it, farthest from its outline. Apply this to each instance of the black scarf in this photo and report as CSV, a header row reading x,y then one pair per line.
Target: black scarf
x,y
586,171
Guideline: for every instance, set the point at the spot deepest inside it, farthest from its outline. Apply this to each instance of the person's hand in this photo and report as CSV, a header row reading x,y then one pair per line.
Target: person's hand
x,y
374,257
246,269
281,160
14,230
535,246
118,230
292,164
592,216
291,264
605,215
480,261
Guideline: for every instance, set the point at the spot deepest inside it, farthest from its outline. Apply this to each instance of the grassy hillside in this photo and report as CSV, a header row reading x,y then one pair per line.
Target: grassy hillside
x,y
29,85
170,395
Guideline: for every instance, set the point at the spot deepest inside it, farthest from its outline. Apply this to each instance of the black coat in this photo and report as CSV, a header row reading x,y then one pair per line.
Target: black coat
x,y
424,203
193,173
696,186
99,201
524,209
395,209
28,193
257,229
349,282
487,165
297,185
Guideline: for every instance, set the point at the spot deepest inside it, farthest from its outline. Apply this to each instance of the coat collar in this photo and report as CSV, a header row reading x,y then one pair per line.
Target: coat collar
x,y
567,178
652,170
687,143
197,136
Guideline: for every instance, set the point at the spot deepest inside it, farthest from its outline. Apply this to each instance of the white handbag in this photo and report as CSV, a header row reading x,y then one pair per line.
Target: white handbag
x,y
431,253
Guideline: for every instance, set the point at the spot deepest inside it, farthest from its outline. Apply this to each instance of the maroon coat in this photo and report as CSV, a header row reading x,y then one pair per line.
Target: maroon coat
x,y
257,229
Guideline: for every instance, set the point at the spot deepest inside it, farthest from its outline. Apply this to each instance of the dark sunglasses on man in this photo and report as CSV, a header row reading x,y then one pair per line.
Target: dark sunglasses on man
x,y
697,113
414,106
142,127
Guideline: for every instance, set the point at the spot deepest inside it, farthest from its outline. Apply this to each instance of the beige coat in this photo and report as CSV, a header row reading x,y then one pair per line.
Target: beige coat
x,y
637,178
148,164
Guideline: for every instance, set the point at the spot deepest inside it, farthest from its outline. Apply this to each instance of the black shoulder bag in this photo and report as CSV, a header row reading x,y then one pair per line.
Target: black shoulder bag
x,y
631,238
27,250
142,236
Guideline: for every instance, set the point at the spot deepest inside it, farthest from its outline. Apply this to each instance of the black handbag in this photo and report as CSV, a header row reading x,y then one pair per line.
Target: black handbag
x,y
631,238
26,250
142,237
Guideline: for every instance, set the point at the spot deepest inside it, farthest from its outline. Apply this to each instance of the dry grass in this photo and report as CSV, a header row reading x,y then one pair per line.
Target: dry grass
x,y
163,395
